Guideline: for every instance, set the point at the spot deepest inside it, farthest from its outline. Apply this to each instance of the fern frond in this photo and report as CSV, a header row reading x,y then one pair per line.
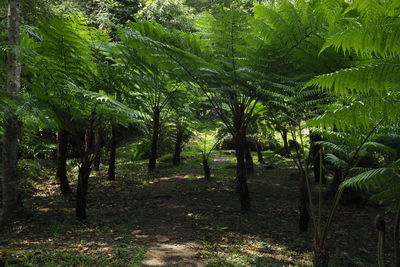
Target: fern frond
x,y
377,78
368,179
378,147
335,161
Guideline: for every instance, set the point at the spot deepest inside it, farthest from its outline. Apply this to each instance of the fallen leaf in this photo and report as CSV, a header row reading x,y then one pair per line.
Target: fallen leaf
x,y
162,239
141,236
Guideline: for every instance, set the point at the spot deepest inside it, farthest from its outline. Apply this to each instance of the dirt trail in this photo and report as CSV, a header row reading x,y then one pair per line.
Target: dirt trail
x,y
180,219
173,238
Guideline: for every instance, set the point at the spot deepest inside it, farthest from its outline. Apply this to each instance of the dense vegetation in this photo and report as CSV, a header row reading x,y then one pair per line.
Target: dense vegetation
x,y
134,111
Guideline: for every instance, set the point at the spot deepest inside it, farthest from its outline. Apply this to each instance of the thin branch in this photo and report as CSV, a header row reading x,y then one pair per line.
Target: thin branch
x,y
339,193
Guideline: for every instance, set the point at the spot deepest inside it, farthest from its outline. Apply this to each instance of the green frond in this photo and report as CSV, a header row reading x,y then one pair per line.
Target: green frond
x,y
378,147
379,78
339,150
107,107
335,161
382,40
363,113
330,11
390,197
369,179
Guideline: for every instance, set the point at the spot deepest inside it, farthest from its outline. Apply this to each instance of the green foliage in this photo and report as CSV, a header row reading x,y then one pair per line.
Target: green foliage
x,y
173,14
371,32
383,181
127,256
252,63
62,73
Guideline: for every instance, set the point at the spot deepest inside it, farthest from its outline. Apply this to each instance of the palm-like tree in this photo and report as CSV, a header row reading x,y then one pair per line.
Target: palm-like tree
x,y
370,31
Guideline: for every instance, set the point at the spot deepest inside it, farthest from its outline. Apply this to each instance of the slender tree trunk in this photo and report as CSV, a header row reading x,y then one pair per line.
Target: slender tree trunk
x,y
206,168
314,151
337,179
259,152
113,149
154,140
1,176
240,147
397,237
62,145
97,150
285,142
321,254
83,177
178,148
380,226
248,159
12,204
304,216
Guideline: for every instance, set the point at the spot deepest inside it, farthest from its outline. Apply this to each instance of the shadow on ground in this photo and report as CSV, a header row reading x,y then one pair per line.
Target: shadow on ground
x,y
176,218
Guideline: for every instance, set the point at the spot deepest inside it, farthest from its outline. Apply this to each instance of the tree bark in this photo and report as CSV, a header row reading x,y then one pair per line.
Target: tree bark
x,y
314,151
259,153
154,140
396,238
12,204
240,146
97,150
304,216
206,168
285,142
176,160
62,145
113,149
321,254
337,179
380,226
248,159
83,177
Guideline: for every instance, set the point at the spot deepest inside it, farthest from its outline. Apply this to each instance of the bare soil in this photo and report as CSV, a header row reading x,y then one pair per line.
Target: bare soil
x,y
175,218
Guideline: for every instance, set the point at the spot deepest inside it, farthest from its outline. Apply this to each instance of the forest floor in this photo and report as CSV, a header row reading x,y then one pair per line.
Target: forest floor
x,y
175,218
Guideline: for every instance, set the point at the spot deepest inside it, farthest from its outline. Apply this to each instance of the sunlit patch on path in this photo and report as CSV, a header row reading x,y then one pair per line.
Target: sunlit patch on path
x,y
167,254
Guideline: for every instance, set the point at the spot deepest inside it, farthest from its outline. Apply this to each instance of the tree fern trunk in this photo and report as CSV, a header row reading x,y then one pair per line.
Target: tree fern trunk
x,y
178,147
112,148
314,151
154,140
206,168
381,227
97,150
248,159
61,174
320,259
12,204
259,153
397,237
337,179
285,142
83,177
304,216
241,177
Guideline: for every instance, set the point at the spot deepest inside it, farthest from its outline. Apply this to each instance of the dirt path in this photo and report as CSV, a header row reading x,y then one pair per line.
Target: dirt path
x,y
179,219
173,239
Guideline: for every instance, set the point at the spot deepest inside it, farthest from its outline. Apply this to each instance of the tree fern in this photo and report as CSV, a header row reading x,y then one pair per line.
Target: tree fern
x,y
369,179
374,36
358,111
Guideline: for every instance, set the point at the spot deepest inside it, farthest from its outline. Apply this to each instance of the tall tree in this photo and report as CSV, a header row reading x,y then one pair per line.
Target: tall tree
x,y
214,63
12,204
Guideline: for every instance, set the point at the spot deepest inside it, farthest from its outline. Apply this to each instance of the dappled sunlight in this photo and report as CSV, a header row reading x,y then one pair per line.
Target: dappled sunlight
x,y
179,220
161,254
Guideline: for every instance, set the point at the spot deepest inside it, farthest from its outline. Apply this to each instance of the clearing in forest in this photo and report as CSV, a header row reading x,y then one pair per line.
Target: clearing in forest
x,y
175,218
